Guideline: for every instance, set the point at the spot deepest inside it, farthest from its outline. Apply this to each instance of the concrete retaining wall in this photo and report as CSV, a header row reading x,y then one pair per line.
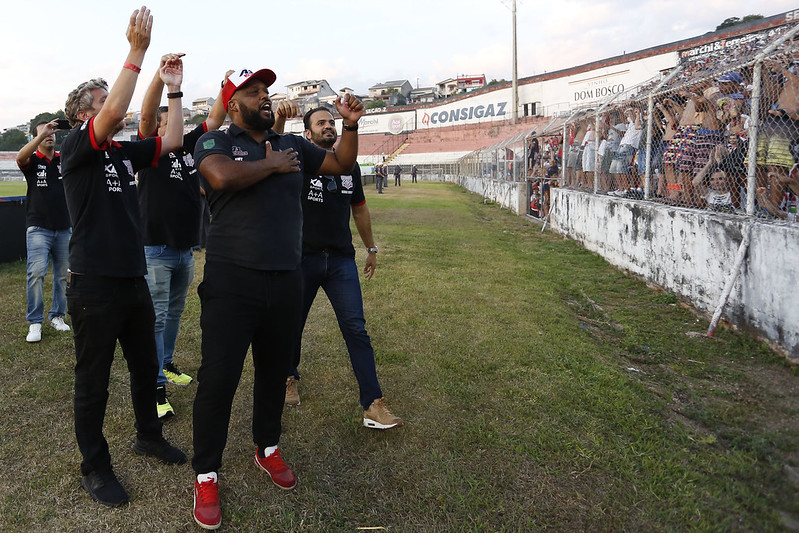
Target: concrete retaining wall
x,y
685,251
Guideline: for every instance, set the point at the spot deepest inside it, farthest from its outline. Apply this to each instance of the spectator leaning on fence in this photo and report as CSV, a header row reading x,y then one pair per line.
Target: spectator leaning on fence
x,y
621,167
778,138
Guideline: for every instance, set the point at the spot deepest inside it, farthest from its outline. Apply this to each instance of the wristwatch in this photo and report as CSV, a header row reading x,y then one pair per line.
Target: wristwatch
x,y
372,250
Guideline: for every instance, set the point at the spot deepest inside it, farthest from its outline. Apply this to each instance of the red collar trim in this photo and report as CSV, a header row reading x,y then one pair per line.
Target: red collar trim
x,y
42,156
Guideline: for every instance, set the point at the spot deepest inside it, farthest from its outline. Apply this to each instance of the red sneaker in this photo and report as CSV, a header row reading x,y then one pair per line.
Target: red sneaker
x,y
207,512
281,474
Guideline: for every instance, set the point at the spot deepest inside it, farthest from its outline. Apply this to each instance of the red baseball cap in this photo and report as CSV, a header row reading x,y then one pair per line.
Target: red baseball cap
x,y
239,79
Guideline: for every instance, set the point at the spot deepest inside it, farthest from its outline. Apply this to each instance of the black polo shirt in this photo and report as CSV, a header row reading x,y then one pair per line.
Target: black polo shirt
x,y
326,212
169,197
45,203
103,203
259,227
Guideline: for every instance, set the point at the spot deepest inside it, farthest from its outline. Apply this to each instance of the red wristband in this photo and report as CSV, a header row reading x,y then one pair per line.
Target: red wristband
x,y
132,67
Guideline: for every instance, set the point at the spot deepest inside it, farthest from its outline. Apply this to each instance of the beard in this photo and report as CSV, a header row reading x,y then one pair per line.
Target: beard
x,y
253,119
322,141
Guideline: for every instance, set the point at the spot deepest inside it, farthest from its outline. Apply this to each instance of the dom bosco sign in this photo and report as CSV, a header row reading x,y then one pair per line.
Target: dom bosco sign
x,y
598,92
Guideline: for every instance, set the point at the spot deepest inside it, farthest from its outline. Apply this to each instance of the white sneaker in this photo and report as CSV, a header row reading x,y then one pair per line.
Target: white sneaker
x,y
59,324
34,333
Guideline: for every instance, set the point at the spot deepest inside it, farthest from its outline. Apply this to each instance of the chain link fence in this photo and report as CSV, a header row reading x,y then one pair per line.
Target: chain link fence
x,y
718,132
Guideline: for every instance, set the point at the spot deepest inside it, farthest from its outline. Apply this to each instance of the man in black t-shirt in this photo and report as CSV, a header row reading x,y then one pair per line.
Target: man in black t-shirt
x,y
48,228
251,289
328,262
171,204
397,176
107,295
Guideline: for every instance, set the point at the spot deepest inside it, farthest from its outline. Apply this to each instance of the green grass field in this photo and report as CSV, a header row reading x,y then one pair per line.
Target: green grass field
x,y
541,389
13,188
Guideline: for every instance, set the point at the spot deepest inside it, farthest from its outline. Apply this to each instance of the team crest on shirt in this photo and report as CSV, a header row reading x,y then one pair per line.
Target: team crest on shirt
x,y
346,182
238,152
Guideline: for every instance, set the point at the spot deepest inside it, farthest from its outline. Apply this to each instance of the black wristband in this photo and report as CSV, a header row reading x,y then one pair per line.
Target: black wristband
x,y
345,127
178,94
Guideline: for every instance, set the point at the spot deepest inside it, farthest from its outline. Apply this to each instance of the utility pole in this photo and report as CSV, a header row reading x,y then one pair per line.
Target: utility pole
x,y
515,75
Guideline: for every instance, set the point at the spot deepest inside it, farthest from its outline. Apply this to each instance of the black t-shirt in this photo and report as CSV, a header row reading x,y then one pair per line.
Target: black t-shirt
x,y
102,201
169,197
326,213
45,203
259,227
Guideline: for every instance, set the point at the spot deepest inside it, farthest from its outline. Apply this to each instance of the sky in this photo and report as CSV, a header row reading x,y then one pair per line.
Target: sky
x,y
49,47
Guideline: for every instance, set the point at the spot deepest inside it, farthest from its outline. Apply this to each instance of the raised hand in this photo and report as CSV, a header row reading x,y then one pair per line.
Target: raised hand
x,y
349,107
171,70
139,29
288,109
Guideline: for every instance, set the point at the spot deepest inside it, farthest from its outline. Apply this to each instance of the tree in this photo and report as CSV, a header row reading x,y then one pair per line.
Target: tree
x,y
734,21
12,141
374,104
198,119
496,82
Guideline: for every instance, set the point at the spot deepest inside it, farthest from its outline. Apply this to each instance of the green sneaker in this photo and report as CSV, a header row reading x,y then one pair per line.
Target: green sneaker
x,y
173,375
162,405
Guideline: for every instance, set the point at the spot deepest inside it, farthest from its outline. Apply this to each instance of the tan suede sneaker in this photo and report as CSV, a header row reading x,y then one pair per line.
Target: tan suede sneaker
x,y
292,394
379,417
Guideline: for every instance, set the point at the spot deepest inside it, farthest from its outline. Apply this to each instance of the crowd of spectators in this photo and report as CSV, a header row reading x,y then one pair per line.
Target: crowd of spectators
x,y
700,134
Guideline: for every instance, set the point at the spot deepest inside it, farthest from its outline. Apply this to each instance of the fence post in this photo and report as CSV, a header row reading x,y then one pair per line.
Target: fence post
x,y
754,118
596,151
650,108
564,155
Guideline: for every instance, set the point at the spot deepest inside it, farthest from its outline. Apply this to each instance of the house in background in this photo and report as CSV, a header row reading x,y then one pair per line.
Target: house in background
x,y
311,93
462,84
391,91
423,95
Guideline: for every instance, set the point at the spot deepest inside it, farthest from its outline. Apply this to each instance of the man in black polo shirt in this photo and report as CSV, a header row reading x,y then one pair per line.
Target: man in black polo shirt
x,y
107,295
171,204
328,262
251,289
48,227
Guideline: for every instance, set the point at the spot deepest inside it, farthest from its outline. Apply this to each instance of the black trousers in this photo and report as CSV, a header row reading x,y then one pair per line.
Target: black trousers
x,y
104,310
243,307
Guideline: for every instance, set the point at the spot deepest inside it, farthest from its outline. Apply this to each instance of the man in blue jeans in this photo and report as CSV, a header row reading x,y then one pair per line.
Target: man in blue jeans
x,y
328,262
48,227
170,204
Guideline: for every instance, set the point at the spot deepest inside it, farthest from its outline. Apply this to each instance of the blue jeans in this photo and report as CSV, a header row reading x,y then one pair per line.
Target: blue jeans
x,y
170,271
42,243
338,276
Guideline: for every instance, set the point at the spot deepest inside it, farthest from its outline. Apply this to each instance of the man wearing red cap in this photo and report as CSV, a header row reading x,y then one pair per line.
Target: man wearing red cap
x,y
251,289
